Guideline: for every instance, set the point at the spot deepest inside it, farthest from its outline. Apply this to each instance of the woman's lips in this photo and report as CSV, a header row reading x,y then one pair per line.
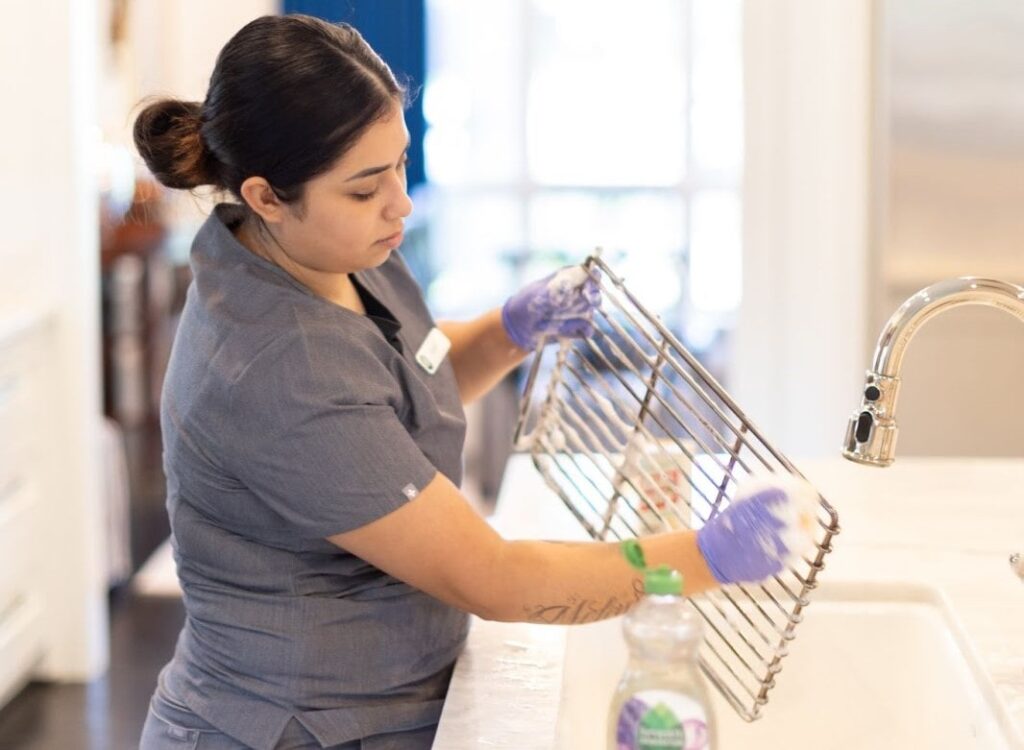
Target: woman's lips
x,y
393,241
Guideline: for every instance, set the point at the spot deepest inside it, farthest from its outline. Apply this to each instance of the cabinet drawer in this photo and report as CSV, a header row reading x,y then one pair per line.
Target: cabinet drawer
x,y
24,415
21,645
18,540
24,407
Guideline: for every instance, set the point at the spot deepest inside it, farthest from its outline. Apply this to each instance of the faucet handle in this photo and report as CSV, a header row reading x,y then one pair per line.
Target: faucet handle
x,y
1017,564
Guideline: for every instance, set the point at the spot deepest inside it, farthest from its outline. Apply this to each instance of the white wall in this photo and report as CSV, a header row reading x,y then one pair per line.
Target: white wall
x,y
950,185
883,155
176,43
169,50
801,345
172,50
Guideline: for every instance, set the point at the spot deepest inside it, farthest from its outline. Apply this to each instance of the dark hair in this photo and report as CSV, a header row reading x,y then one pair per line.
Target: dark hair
x,y
289,95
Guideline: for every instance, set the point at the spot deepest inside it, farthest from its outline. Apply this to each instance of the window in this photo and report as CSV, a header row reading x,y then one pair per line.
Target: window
x,y
555,126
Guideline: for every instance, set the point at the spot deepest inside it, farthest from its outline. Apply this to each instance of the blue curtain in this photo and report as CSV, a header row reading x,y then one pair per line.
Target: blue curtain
x,y
396,29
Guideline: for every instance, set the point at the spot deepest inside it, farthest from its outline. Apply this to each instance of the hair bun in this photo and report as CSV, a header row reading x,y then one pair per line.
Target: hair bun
x,y
168,137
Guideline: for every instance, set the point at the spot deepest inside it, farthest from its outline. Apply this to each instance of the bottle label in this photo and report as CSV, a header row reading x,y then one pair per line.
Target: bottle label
x,y
662,720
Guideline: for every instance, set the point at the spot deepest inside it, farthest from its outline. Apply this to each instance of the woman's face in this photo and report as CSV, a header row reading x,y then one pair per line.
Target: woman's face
x,y
352,215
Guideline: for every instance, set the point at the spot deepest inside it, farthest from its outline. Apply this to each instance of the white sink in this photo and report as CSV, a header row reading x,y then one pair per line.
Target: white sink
x,y
872,666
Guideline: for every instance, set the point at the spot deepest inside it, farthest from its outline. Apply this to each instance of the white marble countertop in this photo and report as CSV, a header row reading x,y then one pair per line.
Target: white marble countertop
x,y
947,523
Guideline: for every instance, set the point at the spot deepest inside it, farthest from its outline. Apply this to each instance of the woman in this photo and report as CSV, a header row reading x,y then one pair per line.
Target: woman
x,y
313,427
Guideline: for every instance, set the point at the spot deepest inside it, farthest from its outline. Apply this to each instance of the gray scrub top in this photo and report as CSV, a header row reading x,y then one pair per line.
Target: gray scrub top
x,y
287,419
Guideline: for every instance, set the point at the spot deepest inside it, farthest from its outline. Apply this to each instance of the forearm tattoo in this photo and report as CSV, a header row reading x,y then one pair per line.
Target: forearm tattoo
x,y
580,611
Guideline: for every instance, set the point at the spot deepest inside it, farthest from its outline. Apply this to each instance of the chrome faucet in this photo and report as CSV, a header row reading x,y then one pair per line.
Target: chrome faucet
x,y
1017,564
871,435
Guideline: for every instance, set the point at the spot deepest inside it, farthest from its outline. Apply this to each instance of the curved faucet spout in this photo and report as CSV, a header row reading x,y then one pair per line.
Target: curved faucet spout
x,y
871,434
933,301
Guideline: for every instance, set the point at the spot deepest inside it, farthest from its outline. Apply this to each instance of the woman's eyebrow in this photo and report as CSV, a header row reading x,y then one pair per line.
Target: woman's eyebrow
x,y
377,170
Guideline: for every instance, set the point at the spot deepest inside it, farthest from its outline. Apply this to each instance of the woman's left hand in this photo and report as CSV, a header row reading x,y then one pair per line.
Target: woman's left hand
x,y
766,528
561,304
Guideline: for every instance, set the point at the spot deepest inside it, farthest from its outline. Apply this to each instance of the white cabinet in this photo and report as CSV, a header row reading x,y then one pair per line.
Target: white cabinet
x,y
19,511
52,585
21,644
23,465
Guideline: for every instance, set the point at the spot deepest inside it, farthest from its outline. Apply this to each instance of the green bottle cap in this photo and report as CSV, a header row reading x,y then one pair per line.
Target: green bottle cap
x,y
662,580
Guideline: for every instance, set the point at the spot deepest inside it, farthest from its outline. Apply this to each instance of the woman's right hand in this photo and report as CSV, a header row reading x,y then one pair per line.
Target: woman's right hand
x,y
561,304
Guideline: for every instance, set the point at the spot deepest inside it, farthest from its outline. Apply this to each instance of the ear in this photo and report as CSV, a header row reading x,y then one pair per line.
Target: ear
x,y
260,197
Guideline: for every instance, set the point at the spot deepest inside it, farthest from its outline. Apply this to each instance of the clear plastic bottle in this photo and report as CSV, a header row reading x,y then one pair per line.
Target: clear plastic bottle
x,y
661,702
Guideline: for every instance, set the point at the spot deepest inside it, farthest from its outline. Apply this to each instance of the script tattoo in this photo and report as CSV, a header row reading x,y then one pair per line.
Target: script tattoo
x,y
580,611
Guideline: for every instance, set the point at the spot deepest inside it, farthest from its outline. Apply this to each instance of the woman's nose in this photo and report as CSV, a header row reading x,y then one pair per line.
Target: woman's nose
x,y
400,206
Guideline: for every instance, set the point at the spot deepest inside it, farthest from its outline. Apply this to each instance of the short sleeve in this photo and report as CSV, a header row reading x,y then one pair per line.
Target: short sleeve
x,y
318,440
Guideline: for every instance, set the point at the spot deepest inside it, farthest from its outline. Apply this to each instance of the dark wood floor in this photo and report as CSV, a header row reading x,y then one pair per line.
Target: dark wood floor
x,y
107,714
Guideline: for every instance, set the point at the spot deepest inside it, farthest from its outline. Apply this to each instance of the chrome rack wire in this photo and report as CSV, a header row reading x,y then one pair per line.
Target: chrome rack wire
x,y
636,437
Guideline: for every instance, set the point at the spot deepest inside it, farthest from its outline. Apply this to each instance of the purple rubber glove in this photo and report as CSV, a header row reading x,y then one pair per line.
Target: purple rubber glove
x,y
561,304
767,526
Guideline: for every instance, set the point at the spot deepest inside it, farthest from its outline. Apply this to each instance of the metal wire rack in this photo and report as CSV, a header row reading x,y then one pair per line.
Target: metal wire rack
x,y
636,437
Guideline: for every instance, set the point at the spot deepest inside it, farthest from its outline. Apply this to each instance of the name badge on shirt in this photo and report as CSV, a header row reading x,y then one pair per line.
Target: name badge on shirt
x,y
433,350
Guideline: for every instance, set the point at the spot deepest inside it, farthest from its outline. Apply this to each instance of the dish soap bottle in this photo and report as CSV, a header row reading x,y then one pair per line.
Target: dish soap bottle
x,y
661,702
